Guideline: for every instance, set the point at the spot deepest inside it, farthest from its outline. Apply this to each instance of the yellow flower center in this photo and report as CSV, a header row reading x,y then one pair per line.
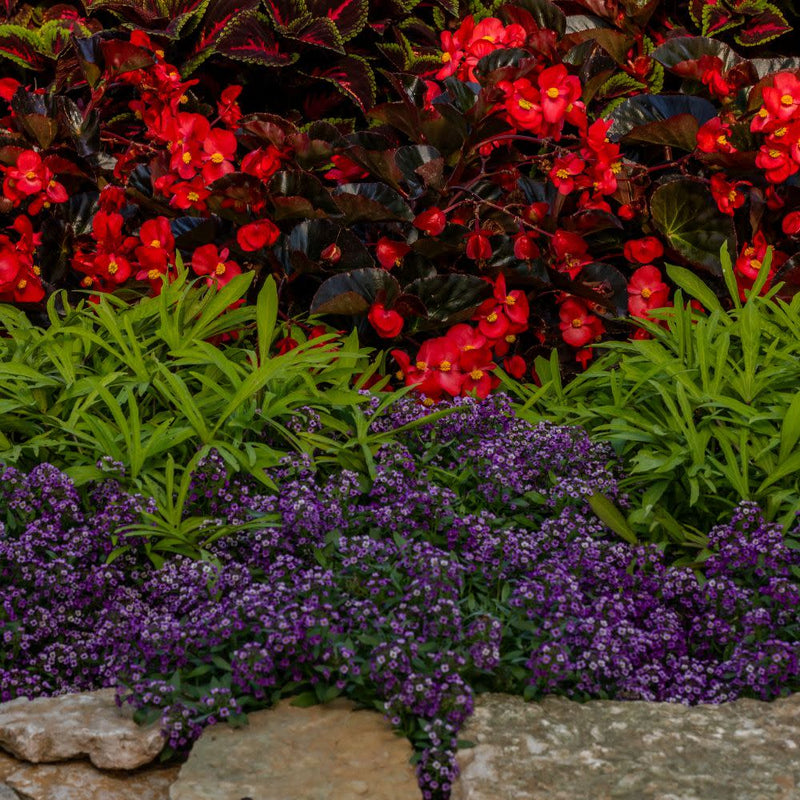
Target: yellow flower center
x,y
552,92
577,323
193,197
113,267
525,104
646,293
510,300
427,402
220,268
774,153
722,139
30,175
446,58
218,158
492,317
87,281
445,366
155,243
763,113
755,263
476,374
780,132
183,98
732,195
787,100
36,270
22,284
153,275
562,174
616,166
511,338
421,366
186,158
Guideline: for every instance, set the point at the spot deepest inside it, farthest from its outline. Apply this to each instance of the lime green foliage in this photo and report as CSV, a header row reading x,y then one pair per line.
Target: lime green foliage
x,y
142,384
703,414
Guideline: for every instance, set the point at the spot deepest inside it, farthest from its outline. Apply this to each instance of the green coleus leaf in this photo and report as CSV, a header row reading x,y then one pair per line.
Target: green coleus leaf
x,y
353,77
352,293
620,84
769,24
318,33
450,298
349,16
286,12
684,211
374,202
22,46
718,18
671,120
252,41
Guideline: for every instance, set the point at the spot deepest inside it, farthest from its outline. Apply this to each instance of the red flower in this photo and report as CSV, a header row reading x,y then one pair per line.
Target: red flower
x,y
559,90
525,246
565,171
219,148
387,323
478,246
712,77
514,303
776,163
782,99
227,107
436,369
262,163
207,260
522,104
571,252
578,326
390,253
644,250
791,223
713,137
345,170
492,322
647,290
466,338
477,377
431,221
727,195
515,366
256,235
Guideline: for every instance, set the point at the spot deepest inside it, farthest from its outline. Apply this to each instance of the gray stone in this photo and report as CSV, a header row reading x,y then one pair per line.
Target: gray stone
x,y
328,752
79,780
74,725
561,750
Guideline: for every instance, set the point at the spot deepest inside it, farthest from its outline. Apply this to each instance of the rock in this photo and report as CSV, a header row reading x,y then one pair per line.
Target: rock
x,y
561,750
78,780
328,752
75,725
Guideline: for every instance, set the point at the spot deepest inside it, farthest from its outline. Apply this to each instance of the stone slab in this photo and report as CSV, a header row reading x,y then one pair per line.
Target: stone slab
x,y
327,752
74,725
558,749
78,780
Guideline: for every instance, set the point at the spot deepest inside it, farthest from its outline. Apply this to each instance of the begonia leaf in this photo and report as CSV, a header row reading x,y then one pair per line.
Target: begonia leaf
x,y
450,298
682,54
661,119
374,202
354,292
684,211
307,241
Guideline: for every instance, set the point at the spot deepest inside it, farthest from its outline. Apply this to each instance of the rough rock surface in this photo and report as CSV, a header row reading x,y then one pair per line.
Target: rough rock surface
x,y
79,780
76,725
329,752
561,750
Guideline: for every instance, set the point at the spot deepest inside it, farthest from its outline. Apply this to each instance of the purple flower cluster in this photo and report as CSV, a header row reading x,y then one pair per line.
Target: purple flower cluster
x,y
470,563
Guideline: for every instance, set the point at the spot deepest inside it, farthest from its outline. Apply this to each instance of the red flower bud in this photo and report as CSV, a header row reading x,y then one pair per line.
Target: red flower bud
x,y
256,235
515,366
390,253
431,221
643,251
791,223
386,322
332,253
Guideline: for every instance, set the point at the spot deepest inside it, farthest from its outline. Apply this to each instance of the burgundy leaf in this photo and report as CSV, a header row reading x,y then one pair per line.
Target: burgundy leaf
x,y
349,16
354,78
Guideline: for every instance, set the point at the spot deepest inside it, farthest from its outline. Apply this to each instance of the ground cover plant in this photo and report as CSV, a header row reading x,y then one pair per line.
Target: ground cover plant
x,y
472,562
703,409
